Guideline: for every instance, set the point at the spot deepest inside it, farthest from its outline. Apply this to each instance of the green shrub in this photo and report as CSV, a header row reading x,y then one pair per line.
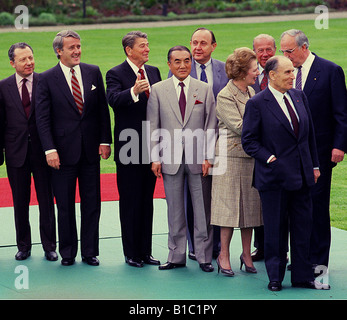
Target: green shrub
x,y
6,19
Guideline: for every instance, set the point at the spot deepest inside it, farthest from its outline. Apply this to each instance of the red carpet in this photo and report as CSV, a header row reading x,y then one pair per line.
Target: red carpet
x,y
109,191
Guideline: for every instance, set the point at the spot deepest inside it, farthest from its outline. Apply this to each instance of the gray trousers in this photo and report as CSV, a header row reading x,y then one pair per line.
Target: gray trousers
x,y
200,189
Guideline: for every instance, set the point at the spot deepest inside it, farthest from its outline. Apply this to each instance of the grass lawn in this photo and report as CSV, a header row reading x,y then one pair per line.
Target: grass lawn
x,y
103,48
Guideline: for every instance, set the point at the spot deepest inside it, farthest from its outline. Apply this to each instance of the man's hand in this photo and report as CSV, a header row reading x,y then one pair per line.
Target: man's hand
x,y
104,151
156,168
205,168
140,85
337,155
53,160
316,174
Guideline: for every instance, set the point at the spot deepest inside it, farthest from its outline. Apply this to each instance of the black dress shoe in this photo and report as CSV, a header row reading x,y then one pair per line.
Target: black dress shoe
x,y
150,260
257,255
51,255
92,261
134,262
274,286
22,255
67,261
206,267
191,255
311,285
171,265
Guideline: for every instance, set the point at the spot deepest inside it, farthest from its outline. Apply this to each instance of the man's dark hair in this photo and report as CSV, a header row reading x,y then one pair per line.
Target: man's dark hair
x,y
19,45
178,48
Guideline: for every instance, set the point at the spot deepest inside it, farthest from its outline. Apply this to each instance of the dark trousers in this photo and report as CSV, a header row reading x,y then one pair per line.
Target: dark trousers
x,y
321,232
287,211
136,185
64,186
20,182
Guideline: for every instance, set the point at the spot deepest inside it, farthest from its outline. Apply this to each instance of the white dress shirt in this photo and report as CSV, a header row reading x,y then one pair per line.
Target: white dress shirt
x,y
208,71
29,84
68,75
306,66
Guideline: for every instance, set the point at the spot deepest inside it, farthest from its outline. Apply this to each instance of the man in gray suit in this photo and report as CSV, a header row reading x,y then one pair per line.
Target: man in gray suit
x,y
181,111
202,44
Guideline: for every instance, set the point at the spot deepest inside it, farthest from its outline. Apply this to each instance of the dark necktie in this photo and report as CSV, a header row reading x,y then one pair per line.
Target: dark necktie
x,y
76,91
203,76
293,117
298,83
143,78
264,82
182,100
25,98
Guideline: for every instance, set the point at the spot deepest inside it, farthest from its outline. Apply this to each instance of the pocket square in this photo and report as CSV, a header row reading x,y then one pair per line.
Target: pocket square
x,y
93,87
198,102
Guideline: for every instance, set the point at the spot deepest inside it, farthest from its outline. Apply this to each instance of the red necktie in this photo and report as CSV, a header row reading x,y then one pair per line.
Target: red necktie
x,y
143,78
263,83
293,117
25,98
76,91
182,101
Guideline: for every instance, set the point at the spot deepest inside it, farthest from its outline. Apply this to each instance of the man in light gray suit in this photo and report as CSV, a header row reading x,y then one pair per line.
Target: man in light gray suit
x,y
202,44
181,111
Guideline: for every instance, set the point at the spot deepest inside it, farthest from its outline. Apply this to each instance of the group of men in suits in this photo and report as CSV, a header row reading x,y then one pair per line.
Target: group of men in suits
x,y
295,148
57,125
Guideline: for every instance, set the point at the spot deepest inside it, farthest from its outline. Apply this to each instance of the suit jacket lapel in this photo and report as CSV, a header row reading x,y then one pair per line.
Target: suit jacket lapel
x,y
64,87
275,108
173,101
191,98
87,85
312,76
14,93
299,107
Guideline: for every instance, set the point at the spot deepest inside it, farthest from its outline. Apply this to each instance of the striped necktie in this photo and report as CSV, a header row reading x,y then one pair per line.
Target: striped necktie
x,y
298,83
76,92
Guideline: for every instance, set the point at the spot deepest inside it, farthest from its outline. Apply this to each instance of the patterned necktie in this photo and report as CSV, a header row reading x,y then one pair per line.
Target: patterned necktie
x,y
143,78
203,76
264,82
25,98
293,117
76,91
298,83
182,100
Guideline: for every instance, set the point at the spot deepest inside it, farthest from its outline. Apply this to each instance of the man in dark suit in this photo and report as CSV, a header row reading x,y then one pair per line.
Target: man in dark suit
x,y
74,126
24,154
323,82
128,88
278,132
264,47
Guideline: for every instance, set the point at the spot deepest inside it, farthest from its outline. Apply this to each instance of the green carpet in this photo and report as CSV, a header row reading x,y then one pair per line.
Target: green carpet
x,y
36,278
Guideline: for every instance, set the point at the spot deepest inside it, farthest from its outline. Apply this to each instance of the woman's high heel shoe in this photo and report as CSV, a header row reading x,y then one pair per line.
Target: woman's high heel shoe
x,y
226,272
248,269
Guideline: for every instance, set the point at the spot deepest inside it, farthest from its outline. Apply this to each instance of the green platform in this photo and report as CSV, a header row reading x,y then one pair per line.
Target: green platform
x,y
113,279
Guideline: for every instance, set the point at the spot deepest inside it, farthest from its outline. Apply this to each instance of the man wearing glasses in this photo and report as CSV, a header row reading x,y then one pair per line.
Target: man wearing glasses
x,y
323,82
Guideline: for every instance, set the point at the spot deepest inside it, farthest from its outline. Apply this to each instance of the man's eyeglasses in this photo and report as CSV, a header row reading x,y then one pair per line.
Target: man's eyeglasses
x,y
289,51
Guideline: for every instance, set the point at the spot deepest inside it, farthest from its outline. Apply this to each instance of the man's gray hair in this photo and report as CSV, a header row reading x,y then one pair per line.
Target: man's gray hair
x,y
265,36
130,38
300,37
58,41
